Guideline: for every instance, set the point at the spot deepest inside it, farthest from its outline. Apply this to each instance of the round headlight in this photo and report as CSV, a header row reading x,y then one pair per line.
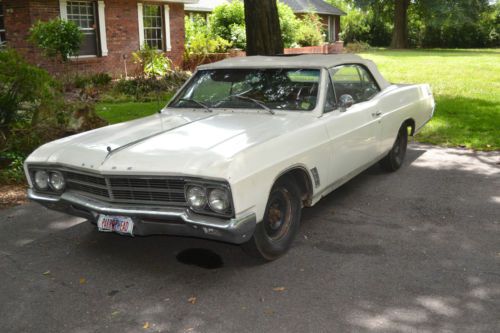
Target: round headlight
x,y
57,182
218,200
42,179
197,197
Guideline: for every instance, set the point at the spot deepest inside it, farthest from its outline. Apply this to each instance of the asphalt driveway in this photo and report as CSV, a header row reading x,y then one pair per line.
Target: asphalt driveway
x,y
413,251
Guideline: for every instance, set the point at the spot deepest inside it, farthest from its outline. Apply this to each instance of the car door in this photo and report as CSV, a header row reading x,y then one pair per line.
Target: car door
x,y
354,131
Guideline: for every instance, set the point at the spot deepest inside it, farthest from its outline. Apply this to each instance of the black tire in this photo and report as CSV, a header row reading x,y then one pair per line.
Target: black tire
x,y
396,156
274,235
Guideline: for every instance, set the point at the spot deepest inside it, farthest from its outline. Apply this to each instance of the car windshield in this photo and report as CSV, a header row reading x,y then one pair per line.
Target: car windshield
x,y
277,89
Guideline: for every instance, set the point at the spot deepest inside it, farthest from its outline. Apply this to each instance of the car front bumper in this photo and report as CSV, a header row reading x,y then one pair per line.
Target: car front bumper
x,y
149,220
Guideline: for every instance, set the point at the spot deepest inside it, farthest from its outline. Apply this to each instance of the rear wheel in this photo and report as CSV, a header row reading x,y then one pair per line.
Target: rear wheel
x,y
274,235
396,156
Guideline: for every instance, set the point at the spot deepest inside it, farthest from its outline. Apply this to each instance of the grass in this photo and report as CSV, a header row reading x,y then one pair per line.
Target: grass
x,y
124,111
466,86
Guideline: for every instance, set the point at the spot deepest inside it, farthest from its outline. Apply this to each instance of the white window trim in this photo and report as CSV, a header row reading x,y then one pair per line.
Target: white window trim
x,y
101,16
167,27
101,13
140,18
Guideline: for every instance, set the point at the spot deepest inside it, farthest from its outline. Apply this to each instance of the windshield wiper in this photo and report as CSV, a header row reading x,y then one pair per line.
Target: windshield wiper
x,y
196,102
256,101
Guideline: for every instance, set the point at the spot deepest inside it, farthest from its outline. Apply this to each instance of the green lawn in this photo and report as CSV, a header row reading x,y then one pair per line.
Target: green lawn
x,y
466,85
120,112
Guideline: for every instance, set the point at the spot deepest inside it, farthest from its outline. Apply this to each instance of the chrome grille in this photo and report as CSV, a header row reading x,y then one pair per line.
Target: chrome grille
x,y
146,190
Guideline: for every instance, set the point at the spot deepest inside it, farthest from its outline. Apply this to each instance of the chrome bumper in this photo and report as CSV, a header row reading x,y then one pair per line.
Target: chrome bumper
x,y
149,220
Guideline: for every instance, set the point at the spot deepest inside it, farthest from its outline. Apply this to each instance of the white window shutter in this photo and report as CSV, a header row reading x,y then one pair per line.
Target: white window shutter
x,y
140,19
63,8
101,13
167,27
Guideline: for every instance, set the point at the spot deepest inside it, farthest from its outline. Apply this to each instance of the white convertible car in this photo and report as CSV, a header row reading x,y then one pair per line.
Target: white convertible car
x,y
243,146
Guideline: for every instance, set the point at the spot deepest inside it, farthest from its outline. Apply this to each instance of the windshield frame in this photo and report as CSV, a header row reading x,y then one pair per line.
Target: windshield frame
x,y
317,110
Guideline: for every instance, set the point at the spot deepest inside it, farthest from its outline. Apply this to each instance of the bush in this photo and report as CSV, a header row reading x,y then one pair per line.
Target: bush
x,y
357,47
99,80
199,39
25,91
310,30
149,89
57,38
153,62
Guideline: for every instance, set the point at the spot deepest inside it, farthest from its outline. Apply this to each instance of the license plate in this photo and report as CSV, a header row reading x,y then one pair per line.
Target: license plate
x,y
119,224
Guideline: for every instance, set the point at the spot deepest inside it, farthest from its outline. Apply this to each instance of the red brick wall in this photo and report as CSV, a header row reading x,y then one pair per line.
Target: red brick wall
x,y
121,29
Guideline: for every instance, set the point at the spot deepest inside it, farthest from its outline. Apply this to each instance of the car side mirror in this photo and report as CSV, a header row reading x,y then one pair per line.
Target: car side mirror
x,y
345,102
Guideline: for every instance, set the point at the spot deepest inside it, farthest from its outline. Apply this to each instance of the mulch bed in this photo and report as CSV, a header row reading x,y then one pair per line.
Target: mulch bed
x,y
12,195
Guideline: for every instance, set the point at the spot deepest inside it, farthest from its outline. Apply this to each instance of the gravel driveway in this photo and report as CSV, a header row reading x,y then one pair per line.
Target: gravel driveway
x,y
413,251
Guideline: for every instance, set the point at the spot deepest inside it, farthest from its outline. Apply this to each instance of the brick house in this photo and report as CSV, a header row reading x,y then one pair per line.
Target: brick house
x,y
112,29
330,15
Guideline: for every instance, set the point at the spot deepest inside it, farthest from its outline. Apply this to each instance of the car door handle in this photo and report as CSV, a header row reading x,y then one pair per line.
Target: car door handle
x,y
377,114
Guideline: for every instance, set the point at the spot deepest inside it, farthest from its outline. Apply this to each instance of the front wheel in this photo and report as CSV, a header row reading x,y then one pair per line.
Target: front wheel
x,y
274,235
396,156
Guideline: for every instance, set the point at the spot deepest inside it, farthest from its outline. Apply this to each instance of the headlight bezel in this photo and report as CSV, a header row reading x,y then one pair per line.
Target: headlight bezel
x,y
50,189
208,187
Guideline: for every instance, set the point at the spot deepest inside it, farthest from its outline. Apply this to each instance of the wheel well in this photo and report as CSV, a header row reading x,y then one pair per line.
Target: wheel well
x,y
410,123
300,177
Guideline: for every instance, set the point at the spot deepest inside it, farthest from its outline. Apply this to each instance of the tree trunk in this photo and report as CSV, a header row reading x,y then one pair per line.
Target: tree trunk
x,y
400,33
263,28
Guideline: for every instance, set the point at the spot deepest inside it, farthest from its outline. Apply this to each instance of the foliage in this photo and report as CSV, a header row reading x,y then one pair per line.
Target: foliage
x,y
447,23
153,63
13,172
148,89
357,47
57,38
25,91
309,31
99,80
228,22
199,39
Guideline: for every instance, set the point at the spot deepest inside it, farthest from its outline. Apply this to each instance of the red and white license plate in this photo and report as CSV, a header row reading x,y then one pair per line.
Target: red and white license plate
x,y
120,224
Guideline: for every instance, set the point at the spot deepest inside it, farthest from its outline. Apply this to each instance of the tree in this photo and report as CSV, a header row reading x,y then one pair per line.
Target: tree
x,y
263,28
400,32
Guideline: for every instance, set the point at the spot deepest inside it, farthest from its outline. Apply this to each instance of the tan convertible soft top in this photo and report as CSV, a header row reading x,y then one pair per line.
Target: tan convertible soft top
x,y
302,61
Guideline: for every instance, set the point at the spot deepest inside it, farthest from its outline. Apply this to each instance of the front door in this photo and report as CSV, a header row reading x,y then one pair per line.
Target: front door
x,y
354,132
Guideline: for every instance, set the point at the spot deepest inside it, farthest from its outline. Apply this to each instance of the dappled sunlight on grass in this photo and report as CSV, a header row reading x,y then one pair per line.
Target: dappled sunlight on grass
x,y
466,86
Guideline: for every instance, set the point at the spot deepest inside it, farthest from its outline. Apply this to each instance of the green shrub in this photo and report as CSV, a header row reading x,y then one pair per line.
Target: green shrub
x,y
57,38
199,39
25,91
357,47
153,62
98,80
310,30
13,172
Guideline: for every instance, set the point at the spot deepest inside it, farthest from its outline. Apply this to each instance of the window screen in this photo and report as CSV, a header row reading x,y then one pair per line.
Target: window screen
x,y
83,13
153,26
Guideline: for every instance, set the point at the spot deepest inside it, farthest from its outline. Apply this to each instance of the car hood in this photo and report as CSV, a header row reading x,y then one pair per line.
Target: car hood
x,y
173,142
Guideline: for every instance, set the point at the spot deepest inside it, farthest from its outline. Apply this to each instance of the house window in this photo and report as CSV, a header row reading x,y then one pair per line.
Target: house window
x,y
83,13
153,26
2,24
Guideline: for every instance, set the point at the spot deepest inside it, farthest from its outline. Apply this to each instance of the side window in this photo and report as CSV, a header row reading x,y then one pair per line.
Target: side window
x,y
331,101
370,87
353,80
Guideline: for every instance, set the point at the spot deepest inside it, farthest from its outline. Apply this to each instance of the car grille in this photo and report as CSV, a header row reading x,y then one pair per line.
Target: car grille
x,y
119,189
